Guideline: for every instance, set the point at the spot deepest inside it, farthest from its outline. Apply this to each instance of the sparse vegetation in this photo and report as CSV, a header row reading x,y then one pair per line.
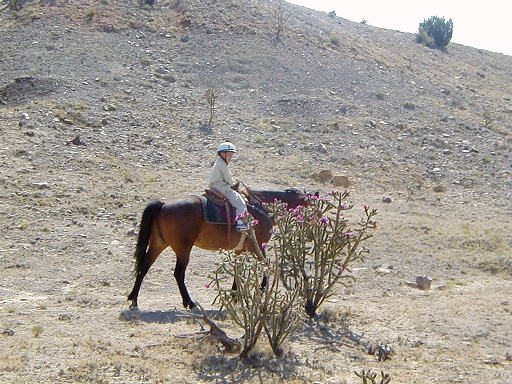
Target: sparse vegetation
x,y
435,32
37,330
316,245
313,249
210,99
489,117
14,5
282,17
128,86
335,39
369,377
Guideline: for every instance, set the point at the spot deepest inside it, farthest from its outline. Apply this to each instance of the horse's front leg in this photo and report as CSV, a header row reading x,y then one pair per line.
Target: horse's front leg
x,y
182,259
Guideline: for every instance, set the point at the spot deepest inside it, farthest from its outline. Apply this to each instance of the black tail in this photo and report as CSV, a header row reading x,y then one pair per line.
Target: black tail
x,y
148,217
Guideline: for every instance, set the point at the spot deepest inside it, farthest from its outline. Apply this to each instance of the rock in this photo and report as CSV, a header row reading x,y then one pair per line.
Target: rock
x,y
316,147
383,270
386,199
77,141
340,181
423,282
325,175
41,185
8,332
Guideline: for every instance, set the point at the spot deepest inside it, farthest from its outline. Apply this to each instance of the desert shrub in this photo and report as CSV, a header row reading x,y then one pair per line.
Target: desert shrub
x,y
281,19
211,97
371,377
316,245
439,30
422,37
335,39
489,117
312,249
256,307
14,5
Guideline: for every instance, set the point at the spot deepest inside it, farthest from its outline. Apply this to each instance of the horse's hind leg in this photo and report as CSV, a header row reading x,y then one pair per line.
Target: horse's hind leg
x,y
182,259
152,254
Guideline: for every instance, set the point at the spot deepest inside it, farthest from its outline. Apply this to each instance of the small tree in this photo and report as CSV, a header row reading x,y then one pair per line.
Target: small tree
x,y
439,30
281,18
210,99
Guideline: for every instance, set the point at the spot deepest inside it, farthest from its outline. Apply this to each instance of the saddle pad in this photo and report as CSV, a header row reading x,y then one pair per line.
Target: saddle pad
x,y
215,214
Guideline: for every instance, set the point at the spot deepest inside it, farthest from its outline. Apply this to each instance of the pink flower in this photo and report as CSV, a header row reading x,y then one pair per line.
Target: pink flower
x,y
300,218
207,286
324,220
255,222
263,245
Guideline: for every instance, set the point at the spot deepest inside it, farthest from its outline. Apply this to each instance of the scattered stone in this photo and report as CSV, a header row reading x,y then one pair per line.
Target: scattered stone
x,y
384,270
41,185
422,282
325,175
316,147
78,141
185,39
8,332
386,199
340,181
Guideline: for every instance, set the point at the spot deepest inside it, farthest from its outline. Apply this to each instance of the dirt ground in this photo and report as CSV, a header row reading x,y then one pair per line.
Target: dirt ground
x,y
99,115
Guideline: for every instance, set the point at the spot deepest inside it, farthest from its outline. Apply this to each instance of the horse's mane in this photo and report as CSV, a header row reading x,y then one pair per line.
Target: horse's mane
x,y
294,191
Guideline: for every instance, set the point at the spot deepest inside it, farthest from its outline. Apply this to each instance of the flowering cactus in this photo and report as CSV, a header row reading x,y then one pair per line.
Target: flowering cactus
x,y
315,245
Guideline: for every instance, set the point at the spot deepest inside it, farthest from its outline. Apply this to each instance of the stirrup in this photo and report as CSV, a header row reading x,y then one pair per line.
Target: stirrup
x,y
242,227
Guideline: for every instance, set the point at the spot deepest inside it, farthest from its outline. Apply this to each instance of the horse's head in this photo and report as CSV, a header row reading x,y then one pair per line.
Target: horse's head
x,y
292,197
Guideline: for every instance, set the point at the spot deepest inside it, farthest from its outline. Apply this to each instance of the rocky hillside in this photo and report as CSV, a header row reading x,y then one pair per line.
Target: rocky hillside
x,y
103,108
329,93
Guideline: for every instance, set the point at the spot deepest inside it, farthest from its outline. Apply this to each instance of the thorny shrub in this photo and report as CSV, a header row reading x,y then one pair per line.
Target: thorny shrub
x,y
315,245
312,248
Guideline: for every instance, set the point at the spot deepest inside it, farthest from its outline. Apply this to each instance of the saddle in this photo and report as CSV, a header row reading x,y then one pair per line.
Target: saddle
x,y
218,210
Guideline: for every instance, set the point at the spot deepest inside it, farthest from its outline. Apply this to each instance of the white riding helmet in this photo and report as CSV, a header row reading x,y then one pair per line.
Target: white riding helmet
x,y
226,147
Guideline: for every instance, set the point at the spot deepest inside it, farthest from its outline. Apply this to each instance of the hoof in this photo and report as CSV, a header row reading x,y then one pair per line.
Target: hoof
x,y
190,305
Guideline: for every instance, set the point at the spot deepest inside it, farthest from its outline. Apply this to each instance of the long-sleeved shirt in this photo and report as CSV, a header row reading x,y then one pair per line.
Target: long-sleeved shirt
x,y
221,175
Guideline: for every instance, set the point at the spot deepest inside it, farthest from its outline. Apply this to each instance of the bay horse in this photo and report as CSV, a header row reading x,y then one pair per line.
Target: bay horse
x,y
179,223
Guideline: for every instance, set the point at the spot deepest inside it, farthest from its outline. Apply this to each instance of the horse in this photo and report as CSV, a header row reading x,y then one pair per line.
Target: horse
x,y
179,223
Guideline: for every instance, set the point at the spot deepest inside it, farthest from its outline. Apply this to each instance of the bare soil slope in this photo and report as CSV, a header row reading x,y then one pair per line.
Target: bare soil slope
x,y
103,109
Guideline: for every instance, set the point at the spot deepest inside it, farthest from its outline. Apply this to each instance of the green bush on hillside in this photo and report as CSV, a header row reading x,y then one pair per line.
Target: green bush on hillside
x,y
435,32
